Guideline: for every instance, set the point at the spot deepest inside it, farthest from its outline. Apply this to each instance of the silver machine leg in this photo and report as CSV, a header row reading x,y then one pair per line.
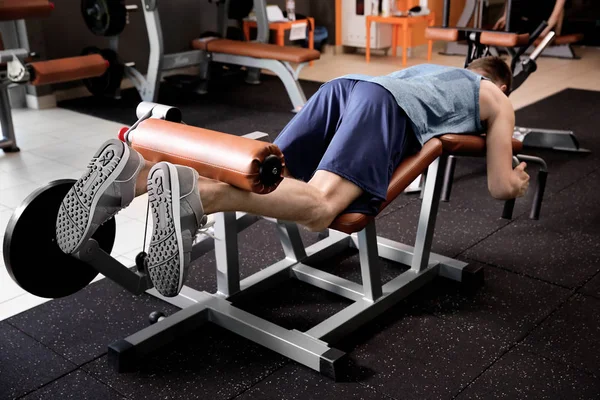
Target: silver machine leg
x,y
14,36
262,36
8,142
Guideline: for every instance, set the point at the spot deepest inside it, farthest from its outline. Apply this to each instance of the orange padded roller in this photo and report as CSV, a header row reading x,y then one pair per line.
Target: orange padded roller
x,y
68,69
11,10
245,163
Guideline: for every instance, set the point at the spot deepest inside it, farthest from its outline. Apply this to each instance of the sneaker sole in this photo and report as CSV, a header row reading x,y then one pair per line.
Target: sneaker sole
x,y
166,257
79,211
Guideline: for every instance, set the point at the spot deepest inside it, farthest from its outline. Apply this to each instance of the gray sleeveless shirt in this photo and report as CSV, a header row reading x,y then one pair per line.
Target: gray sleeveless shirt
x,y
436,99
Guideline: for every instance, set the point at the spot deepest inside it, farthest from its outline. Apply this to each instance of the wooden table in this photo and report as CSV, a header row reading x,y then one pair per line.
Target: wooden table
x,y
406,23
281,27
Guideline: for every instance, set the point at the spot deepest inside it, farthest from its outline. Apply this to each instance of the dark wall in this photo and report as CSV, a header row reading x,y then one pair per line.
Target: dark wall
x,y
64,33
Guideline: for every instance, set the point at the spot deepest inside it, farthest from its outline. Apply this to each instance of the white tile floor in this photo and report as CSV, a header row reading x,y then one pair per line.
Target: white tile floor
x,y
57,144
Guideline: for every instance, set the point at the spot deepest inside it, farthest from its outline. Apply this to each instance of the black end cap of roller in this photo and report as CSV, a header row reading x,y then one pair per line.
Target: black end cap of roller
x,y
271,171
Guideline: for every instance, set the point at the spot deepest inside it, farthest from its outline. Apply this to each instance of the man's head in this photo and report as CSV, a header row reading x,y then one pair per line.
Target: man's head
x,y
495,69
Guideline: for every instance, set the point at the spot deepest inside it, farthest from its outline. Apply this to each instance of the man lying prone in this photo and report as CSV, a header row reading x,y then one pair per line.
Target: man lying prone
x,y
340,151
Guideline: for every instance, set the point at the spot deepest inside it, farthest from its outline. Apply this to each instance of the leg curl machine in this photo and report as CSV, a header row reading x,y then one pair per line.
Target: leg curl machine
x,y
253,165
16,67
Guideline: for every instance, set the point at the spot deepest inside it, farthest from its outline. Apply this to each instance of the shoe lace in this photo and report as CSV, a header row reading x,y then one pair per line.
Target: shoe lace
x,y
207,229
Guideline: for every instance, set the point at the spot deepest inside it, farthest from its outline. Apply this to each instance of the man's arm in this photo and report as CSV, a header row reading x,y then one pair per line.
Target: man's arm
x,y
554,18
504,182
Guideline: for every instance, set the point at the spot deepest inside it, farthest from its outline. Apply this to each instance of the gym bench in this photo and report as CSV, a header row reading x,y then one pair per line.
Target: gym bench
x,y
253,165
272,57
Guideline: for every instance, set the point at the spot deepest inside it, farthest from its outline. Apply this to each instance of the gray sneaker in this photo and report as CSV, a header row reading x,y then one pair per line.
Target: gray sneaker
x,y
177,214
107,186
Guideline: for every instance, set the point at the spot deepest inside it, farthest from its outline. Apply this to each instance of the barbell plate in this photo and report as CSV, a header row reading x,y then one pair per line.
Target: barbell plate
x,y
104,17
108,83
32,256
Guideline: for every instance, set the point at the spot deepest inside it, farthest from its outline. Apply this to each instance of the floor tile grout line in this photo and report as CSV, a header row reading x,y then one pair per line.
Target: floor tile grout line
x,y
523,274
574,292
98,378
235,396
46,384
518,341
575,367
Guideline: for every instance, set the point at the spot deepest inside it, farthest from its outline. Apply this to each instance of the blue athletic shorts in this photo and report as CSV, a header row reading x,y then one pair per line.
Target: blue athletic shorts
x,y
354,129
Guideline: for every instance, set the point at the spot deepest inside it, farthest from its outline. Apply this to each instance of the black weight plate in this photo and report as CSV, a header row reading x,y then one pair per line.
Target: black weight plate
x,y
108,83
104,17
31,254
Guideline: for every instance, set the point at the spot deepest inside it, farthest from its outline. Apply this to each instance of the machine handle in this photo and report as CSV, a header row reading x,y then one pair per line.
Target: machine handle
x,y
539,195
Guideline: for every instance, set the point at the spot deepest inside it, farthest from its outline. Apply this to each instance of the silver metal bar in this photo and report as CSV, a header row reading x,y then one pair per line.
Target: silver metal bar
x,y
295,71
281,271
182,60
325,280
428,215
206,243
294,90
290,239
187,297
9,140
262,21
327,248
369,262
8,55
347,320
150,86
403,254
290,343
226,254
557,51
222,17
540,48
266,278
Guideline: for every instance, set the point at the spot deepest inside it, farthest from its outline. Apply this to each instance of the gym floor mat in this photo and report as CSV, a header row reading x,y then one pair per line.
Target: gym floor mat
x,y
529,332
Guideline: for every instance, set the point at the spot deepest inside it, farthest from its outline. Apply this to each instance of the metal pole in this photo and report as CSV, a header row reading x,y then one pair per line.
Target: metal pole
x,y
262,21
508,15
149,88
8,141
446,14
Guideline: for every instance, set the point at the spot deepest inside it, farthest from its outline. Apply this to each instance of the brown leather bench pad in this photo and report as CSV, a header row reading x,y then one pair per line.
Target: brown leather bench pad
x,y
257,50
11,10
491,38
228,158
412,167
68,69
504,39
470,145
444,34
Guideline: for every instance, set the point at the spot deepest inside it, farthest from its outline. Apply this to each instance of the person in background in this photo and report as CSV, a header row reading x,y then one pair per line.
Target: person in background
x,y
532,13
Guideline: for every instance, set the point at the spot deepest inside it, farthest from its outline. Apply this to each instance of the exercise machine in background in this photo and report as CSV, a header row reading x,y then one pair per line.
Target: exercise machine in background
x,y
254,56
481,43
473,16
18,68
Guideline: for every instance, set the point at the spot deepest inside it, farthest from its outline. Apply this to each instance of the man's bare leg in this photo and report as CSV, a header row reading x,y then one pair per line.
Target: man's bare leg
x,y
314,204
